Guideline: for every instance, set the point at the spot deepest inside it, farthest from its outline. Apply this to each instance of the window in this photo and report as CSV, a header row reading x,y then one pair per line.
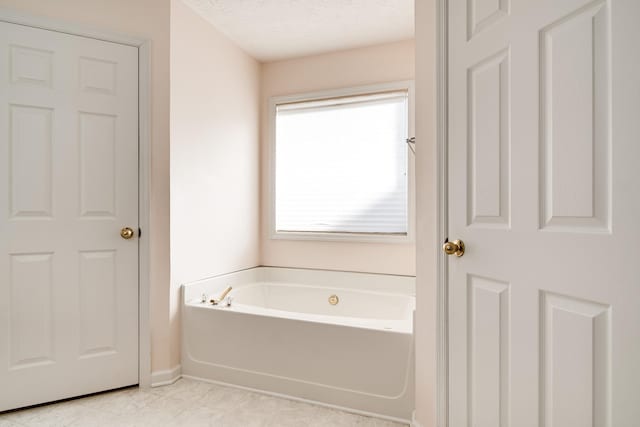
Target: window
x,y
341,165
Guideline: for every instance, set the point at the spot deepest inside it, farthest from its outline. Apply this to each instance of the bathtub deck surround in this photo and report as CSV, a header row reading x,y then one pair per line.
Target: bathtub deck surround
x,y
336,338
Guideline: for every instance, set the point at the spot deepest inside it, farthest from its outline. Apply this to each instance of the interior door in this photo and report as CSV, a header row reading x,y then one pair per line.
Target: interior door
x,y
68,184
544,141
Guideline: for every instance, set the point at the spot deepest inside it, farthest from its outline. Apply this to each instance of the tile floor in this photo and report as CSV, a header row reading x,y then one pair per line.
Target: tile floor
x,y
186,403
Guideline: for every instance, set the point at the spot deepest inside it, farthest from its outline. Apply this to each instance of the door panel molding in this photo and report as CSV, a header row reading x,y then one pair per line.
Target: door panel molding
x,y
568,324
488,347
575,148
489,142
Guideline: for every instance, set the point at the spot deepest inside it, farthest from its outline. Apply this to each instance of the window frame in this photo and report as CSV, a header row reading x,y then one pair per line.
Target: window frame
x,y
273,102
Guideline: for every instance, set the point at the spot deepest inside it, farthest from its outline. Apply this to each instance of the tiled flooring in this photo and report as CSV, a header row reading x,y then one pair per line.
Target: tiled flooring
x,y
186,403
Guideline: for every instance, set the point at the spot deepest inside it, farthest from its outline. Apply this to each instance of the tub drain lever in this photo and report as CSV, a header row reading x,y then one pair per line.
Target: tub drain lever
x,y
216,301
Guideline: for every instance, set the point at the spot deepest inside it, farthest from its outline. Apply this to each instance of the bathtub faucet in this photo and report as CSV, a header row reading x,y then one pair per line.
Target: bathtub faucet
x,y
216,301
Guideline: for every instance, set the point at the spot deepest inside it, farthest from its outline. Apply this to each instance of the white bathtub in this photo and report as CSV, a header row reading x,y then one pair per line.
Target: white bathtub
x,y
281,335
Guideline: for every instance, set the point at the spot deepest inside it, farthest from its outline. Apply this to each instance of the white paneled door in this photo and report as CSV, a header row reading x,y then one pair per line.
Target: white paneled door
x,y
68,185
544,145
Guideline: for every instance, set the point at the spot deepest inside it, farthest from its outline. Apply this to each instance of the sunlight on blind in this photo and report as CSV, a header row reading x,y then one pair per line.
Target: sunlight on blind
x,y
341,165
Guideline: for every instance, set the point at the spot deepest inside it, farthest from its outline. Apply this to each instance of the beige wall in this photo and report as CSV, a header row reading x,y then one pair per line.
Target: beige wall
x,y
148,19
377,64
215,90
427,201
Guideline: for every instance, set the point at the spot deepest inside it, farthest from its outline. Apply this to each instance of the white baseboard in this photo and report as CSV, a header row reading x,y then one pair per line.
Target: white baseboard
x,y
166,377
299,399
414,422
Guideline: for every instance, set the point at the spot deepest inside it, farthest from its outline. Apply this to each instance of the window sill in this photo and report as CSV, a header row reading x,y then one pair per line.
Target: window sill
x,y
343,237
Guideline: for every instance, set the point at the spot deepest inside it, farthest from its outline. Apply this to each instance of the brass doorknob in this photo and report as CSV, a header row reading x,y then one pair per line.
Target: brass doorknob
x,y
453,248
126,233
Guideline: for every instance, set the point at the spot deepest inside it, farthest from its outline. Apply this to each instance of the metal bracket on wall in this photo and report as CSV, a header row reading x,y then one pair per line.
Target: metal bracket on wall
x,y
411,142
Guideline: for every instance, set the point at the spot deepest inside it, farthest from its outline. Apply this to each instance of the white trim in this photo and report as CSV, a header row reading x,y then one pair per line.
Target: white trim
x,y
442,227
166,377
144,214
13,16
144,169
414,422
407,85
299,399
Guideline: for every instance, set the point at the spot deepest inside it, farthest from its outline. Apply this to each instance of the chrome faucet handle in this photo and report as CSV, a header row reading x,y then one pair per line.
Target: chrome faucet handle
x,y
228,301
204,298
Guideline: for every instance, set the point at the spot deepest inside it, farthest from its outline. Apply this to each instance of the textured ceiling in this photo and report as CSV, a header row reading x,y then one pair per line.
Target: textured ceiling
x,y
278,29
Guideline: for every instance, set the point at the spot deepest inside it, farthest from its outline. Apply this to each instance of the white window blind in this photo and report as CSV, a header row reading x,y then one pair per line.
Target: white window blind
x,y
341,165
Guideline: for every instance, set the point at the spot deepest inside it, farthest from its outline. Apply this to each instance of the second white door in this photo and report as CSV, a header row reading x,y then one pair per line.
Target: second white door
x,y
544,144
